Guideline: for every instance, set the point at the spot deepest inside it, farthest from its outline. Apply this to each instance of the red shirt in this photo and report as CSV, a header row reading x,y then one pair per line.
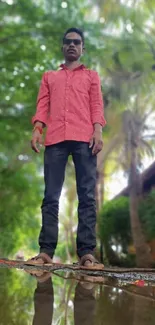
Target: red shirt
x,y
69,103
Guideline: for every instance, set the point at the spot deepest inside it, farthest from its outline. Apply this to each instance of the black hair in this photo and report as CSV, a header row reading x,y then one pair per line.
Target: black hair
x,y
74,30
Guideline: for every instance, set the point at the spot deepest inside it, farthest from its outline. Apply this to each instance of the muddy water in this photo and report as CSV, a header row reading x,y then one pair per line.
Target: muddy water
x,y
54,300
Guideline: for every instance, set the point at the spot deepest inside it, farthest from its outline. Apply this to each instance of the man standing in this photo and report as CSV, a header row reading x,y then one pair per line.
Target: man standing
x,y
70,105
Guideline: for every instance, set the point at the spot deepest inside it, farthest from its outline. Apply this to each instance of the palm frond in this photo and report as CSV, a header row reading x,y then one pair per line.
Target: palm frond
x,y
147,147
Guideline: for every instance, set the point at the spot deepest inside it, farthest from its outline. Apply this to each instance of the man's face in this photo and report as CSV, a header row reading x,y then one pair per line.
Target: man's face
x,y
72,47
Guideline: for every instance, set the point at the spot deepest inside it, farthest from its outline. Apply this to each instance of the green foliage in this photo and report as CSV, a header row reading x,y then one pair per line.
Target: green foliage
x,y
147,213
16,294
19,224
17,290
121,49
115,228
115,221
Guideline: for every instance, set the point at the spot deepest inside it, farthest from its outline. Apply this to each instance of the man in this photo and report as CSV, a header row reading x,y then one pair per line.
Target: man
x,y
70,105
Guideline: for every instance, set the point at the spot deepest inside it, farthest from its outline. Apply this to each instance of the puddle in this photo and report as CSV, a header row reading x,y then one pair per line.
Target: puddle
x,y
59,301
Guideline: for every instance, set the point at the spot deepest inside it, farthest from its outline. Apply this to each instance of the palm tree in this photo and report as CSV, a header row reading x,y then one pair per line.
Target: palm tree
x,y
131,140
134,144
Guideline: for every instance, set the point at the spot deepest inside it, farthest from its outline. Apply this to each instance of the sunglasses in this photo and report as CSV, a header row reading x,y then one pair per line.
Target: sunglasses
x,y
68,41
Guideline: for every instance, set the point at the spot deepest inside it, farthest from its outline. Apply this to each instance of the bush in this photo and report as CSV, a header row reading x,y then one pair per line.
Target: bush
x,y
114,227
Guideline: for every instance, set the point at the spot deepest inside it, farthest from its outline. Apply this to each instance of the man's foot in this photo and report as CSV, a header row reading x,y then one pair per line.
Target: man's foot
x,y
40,259
39,275
89,281
90,262
86,284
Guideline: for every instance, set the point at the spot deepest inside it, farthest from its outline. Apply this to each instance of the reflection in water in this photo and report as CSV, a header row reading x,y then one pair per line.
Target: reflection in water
x,y
95,305
84,304
43,303
68,302
114,307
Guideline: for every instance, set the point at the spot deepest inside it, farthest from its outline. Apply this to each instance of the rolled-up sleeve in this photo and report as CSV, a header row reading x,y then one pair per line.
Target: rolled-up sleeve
x,y
43,100
96,100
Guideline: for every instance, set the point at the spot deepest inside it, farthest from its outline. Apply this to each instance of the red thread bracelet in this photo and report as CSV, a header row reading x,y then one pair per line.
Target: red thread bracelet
x,y
39,128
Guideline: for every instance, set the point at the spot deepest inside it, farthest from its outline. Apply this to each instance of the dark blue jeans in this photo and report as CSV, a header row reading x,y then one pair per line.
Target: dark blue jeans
x,y
55,159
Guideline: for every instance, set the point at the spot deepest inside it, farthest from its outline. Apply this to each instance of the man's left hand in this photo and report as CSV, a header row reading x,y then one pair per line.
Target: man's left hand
x,y
96,142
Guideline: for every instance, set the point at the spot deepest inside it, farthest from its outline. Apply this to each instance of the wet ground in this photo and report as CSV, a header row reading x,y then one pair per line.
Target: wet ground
x,y
25,300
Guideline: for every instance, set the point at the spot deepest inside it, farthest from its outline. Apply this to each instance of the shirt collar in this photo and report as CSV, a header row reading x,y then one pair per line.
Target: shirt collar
x,y
81,66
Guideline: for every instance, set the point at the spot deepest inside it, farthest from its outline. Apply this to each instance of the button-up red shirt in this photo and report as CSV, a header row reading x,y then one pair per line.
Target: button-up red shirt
x,y
69,103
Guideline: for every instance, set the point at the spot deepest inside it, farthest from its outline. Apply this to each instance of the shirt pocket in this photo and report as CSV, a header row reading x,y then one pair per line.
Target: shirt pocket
x,y
81,85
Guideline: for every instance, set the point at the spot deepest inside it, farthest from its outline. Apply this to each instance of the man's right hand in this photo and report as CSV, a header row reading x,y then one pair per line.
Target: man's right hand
x,y
36,139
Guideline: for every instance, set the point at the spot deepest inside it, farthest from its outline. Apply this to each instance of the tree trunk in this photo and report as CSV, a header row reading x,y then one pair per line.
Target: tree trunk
x,y
143,257
67,301
97,195
71,200
67,245
71,234
99,203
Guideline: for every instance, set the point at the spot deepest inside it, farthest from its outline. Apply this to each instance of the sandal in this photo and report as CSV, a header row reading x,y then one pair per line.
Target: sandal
x,y
40,276
82,278
46,259
88,261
